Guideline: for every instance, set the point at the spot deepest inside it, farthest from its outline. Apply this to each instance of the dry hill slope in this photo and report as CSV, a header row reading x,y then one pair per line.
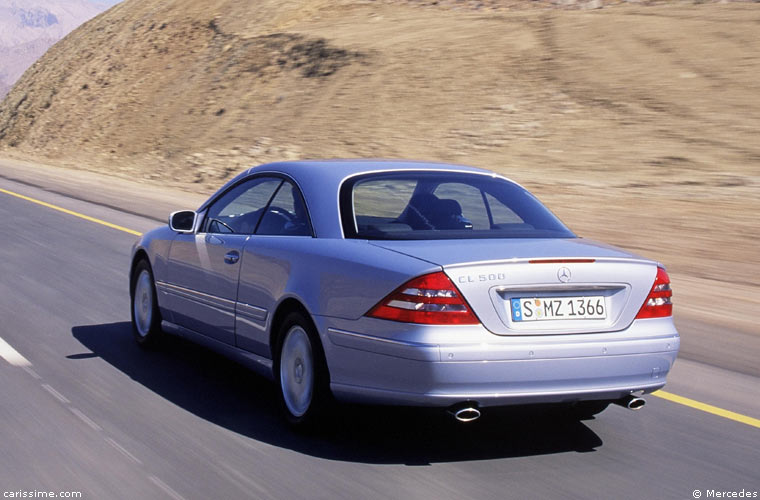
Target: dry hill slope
x,y
648,114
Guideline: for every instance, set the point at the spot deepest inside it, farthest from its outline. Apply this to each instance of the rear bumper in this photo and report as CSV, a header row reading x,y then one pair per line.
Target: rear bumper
x,y
409,367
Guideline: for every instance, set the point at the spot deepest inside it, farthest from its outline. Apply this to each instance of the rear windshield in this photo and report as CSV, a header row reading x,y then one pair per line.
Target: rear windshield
x,y
443,205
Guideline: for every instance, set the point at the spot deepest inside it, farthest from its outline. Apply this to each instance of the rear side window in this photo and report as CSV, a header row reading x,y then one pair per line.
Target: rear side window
x,y
443,205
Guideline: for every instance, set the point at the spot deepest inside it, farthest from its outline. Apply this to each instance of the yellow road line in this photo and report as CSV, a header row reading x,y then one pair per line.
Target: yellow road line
x,y
71,212
691,403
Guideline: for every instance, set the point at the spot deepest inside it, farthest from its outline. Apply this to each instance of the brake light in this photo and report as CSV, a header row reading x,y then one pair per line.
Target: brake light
x,y
431,299
658,303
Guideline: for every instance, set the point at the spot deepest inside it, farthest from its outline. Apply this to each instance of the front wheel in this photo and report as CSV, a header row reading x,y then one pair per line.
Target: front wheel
x,y
301,372
146,318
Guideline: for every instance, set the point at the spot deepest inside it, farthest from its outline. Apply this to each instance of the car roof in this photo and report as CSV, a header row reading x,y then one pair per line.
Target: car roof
x,y
320,181
340,169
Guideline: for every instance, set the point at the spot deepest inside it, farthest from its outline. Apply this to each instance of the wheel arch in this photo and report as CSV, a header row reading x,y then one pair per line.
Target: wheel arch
x,y
321,398
287,306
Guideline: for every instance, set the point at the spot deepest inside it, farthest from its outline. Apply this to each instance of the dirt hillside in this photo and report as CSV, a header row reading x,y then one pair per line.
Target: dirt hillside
x,y
636,122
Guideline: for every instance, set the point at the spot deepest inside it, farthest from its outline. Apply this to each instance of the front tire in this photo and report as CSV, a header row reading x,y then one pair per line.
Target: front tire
x,y
146,317
301,372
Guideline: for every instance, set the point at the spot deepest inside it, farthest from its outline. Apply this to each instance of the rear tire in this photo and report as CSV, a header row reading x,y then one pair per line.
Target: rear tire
x,y
146,317
301,373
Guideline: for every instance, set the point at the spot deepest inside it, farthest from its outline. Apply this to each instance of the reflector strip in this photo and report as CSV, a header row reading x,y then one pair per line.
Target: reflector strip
x,y
561,261
418,292
423,306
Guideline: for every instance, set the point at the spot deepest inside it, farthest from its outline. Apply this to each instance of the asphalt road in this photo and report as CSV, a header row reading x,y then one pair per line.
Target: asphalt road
x,y
95,414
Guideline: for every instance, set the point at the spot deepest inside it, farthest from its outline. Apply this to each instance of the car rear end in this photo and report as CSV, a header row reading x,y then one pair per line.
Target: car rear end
x,y
510,319
481,352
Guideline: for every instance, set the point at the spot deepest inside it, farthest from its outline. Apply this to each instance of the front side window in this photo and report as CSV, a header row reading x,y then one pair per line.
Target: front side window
x,y
240,209
263,206
443,205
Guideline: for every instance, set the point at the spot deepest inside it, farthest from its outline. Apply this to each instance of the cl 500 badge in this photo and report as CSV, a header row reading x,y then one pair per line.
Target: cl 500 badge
x,y
474,278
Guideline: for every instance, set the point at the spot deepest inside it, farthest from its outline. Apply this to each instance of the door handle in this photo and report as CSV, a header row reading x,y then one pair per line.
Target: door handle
x,y
231,257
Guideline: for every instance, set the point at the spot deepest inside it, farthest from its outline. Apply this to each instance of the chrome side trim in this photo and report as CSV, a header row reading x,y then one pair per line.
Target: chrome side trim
x,y
378,339
224,305
252,312
248,322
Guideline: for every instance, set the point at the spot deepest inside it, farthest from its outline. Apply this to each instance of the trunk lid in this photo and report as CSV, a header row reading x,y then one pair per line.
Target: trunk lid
x,y
506,280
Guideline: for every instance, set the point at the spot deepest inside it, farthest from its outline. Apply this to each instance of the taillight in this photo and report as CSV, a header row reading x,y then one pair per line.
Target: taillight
x,y
431,299
658,303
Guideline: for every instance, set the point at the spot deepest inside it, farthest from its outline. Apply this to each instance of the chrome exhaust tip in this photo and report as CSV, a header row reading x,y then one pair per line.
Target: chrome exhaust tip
x,y
465,412
631,402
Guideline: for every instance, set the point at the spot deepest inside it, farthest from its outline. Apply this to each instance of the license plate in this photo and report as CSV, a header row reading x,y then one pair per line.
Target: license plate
x,y
554,308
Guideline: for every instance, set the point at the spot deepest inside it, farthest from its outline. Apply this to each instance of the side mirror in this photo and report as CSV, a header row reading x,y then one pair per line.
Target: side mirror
x,y
182,221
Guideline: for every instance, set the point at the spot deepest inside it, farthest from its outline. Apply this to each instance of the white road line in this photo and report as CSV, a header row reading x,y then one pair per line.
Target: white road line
x,y
87,420
57,395
11,355
123,450
166,488
30,371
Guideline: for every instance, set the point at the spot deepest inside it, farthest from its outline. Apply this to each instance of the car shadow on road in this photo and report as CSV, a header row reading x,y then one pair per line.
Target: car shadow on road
x,y
229,395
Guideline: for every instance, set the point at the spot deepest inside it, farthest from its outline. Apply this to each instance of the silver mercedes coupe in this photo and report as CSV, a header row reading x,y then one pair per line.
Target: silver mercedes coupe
x,y
405,283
